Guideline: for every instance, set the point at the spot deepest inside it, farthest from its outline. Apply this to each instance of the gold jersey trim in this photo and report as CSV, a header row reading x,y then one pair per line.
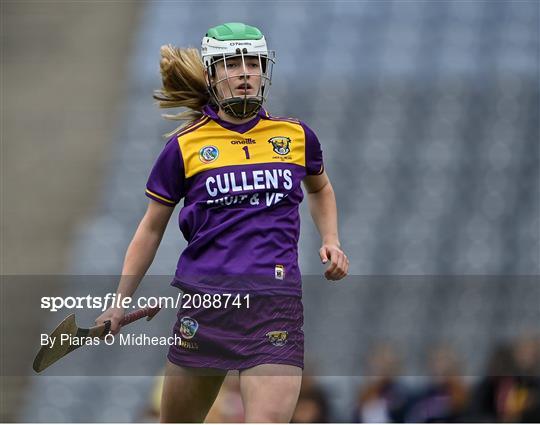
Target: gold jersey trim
x,y
160,197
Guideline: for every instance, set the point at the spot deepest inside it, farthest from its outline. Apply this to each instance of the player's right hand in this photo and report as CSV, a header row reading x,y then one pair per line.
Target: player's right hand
x,y
339,263
115,315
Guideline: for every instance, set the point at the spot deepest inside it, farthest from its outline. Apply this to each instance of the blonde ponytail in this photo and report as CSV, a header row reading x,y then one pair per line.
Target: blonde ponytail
x,y
183,83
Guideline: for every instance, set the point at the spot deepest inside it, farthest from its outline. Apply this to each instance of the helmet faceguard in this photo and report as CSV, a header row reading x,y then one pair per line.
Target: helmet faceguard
x,y
237,44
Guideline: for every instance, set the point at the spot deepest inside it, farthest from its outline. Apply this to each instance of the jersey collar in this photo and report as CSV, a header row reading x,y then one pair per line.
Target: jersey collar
x,y
238,128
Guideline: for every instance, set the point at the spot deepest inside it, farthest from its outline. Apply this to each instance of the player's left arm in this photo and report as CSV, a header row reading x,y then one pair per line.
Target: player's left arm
x,y
322,205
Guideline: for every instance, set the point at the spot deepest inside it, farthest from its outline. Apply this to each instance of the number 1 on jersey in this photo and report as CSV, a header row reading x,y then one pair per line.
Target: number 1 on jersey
x,y
246,151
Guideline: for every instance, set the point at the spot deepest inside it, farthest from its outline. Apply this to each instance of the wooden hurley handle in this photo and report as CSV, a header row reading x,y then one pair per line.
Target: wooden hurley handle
x,y
105,328
139,314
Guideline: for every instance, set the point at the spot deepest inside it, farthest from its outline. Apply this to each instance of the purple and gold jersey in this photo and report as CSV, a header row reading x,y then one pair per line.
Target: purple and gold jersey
x,y
241,190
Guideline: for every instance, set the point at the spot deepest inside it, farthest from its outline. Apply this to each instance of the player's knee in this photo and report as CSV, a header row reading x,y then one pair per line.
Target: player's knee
x,y
268,418
270,414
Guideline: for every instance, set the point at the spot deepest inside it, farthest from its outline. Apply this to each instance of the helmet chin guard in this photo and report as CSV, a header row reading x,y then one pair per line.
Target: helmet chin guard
x,y
232,45
241,107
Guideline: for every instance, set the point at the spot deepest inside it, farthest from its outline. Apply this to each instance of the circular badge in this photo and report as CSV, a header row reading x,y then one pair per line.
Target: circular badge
x,y
208,154
188,327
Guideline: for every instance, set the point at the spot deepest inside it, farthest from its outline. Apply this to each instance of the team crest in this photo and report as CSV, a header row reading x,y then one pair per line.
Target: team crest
x,y
208,154
188,327
281,144
277,338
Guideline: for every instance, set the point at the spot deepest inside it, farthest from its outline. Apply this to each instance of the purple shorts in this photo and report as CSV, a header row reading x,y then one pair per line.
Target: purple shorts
x,y
238,333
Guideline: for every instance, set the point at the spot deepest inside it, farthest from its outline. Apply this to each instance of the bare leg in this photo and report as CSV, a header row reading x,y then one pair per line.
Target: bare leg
x,y
187,396
270,392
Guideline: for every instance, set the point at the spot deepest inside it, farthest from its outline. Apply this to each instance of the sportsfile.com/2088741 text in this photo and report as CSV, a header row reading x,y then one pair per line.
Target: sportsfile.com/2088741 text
x,y
182,300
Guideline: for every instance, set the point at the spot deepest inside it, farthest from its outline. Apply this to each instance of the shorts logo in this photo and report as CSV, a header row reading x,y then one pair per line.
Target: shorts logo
x,y
208,154
277,338
279,272
281,144
188,327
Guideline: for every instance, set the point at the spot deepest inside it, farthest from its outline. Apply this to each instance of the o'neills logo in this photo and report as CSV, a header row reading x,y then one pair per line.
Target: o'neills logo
x,y
189,345
243,142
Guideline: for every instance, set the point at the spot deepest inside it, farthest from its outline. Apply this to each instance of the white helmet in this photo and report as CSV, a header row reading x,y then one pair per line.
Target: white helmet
x,y
231,40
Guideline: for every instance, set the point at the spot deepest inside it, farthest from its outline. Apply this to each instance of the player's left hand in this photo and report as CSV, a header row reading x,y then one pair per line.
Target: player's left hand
x,y
339,263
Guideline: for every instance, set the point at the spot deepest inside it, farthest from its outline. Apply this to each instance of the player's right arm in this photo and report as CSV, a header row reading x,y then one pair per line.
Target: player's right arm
x,y
139,256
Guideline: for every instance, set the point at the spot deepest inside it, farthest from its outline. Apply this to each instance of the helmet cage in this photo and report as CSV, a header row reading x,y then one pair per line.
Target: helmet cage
x,y
240,106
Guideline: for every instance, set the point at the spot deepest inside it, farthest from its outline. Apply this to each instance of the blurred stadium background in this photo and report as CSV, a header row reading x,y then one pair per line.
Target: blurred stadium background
x,y
428,115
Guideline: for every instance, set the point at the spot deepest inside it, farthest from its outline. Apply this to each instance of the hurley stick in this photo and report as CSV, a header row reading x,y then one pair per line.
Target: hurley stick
x,y
48,355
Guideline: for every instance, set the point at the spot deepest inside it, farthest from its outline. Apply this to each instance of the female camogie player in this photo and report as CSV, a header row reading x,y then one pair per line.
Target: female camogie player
x,y
239,170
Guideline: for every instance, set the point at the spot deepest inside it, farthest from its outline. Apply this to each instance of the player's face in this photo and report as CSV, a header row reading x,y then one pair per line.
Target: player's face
x,y
237,79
